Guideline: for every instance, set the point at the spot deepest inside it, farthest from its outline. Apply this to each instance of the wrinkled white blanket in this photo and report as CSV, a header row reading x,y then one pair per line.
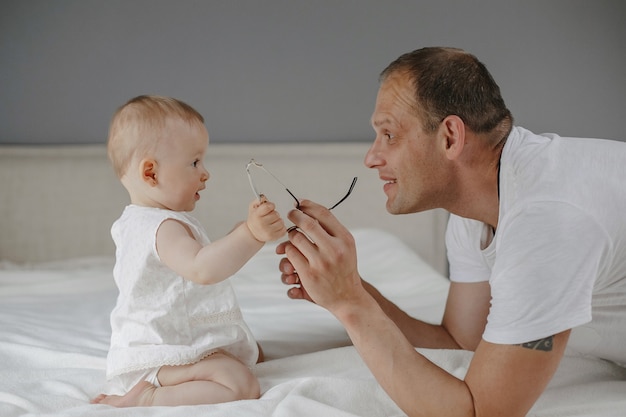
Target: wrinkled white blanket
x,y
54,334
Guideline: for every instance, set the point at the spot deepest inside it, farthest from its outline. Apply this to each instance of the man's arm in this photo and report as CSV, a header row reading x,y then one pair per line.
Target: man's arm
x,y
417,332
501,380
466,312
506,380
463,321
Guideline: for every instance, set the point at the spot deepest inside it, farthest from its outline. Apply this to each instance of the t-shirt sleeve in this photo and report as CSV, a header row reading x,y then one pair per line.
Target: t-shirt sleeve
x,y
463,245
548,257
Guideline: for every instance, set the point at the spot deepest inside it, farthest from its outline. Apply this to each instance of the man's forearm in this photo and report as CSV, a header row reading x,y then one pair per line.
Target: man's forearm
x,y
414,383
419,333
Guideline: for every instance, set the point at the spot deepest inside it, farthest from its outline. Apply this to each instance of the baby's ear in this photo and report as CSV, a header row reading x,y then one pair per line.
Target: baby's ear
x,y
148,169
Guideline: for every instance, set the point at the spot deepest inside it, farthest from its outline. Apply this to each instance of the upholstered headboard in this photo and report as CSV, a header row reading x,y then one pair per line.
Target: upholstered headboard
x,y
60,201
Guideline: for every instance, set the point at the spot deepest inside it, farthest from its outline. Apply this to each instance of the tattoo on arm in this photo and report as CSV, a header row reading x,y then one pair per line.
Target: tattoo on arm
x,y
544,344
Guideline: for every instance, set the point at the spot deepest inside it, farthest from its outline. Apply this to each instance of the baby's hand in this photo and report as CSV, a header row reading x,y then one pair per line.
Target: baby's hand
x,y
264,222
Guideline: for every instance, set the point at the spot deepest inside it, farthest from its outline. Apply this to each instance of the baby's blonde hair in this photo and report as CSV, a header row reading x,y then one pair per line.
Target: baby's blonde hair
x,y
137,126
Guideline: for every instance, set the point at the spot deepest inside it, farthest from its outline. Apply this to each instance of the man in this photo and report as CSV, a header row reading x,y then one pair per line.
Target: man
x,y
536,243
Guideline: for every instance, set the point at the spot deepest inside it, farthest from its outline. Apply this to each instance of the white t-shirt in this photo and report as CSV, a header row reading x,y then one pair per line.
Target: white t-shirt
x,y
557,260
161,318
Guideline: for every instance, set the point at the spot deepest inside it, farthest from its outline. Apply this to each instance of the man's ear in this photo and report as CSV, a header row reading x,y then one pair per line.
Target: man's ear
x,y
148,169
452,129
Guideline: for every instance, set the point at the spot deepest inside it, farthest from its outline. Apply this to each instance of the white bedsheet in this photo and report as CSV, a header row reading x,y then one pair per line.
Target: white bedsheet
x,y
54,335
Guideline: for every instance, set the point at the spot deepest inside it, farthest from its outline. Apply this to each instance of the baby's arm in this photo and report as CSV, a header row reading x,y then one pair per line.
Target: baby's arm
x,y
220,259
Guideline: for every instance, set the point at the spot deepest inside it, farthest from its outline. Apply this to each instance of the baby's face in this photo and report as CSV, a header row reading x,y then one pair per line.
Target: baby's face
x,y
180,171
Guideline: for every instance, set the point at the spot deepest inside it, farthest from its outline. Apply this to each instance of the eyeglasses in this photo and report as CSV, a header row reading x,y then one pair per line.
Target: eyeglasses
x,y
255,164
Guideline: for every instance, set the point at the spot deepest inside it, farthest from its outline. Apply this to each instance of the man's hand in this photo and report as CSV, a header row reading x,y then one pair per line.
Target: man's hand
x,y
289,276
321,257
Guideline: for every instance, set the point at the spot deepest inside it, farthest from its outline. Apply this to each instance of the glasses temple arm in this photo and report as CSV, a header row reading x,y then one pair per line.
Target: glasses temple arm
x,y
347,194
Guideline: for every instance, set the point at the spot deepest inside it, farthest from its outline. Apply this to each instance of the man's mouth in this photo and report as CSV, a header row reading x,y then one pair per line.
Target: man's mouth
x,y
388,184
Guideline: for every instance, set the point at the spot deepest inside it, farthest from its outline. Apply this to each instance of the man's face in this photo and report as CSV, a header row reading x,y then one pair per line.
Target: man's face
x,y
407,158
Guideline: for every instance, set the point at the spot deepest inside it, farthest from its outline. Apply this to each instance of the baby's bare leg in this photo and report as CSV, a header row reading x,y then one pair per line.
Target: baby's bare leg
x,y
215,379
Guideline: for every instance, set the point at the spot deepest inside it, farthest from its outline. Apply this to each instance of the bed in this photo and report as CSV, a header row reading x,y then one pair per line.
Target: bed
x,y
56,287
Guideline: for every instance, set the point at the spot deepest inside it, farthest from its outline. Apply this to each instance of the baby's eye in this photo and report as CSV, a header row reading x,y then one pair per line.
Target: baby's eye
x,y
195,163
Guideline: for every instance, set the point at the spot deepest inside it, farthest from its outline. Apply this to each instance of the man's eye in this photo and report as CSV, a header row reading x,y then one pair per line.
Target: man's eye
x,y
389,136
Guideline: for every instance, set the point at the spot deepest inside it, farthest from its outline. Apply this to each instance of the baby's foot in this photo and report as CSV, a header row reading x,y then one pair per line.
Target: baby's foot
x,y
98,399
137,396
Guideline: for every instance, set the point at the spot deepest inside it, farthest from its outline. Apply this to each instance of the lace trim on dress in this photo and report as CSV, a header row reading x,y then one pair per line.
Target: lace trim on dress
x,y
223,317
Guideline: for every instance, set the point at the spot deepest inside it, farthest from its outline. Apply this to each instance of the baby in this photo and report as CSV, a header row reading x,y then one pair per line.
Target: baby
x,y
178,336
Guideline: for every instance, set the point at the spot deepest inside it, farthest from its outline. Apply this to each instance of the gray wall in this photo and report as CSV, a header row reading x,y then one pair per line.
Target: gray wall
x,y
292,70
